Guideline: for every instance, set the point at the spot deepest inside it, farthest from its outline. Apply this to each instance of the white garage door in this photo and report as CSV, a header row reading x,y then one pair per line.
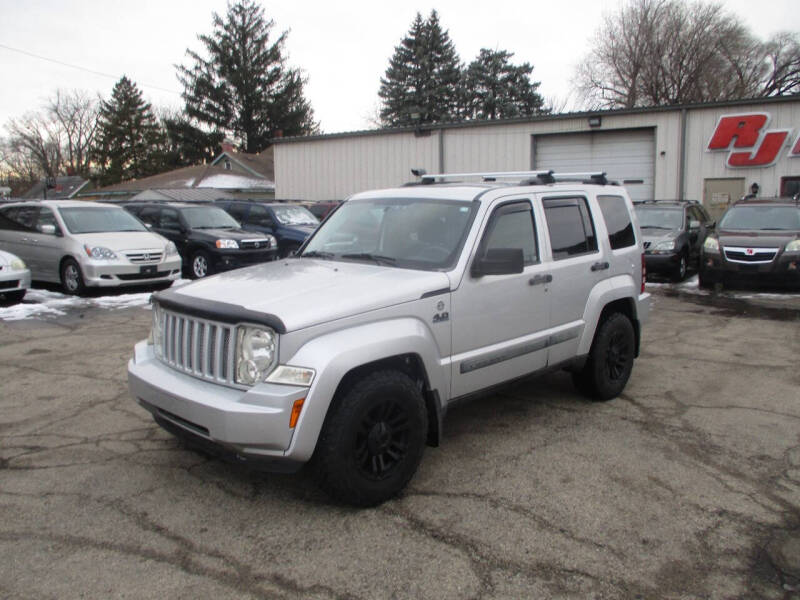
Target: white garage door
x,y
626,156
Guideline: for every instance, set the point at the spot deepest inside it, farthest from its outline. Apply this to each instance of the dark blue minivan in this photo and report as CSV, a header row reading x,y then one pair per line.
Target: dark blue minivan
x,y
291,224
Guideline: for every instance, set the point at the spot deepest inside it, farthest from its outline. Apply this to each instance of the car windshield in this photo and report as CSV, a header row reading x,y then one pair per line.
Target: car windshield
x,y
97,219
651,217
411,233
764,217
208,217
294,215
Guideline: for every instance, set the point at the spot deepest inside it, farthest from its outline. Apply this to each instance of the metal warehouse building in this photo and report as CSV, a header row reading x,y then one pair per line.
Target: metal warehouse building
x,y
709,152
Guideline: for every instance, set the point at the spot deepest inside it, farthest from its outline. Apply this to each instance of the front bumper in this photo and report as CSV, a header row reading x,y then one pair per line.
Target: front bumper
x,y
661,263
784,270
120,273
251,424
14,281
235,259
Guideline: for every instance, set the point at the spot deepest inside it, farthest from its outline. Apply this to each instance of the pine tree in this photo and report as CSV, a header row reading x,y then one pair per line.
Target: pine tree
x,y
496,89
187,145
244,89
422,82
129,137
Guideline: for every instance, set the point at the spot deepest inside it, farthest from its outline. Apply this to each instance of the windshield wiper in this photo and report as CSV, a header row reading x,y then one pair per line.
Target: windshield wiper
x,y
317,254
655,227
381,260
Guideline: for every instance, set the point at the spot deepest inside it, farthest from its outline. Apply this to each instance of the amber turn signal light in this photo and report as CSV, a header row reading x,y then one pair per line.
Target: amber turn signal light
x,y
296,408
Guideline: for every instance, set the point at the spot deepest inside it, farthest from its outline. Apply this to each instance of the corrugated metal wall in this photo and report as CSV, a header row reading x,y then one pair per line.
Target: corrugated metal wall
x,y
335,167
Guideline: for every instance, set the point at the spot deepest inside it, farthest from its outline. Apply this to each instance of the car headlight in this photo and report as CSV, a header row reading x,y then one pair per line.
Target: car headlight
x,y
227,244
711,244
256,354
156,330
793,246
17,264
170,249
665,245
291,376
99,253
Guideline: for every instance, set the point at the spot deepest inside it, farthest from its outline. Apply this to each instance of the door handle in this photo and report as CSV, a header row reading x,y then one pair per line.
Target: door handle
x,y
600,266
540,279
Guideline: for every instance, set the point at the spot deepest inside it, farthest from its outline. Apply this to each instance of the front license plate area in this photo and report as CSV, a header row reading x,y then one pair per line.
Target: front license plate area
x,y
149,270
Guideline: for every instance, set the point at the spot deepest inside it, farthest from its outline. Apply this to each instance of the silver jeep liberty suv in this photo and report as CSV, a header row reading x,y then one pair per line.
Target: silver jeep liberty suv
x,y
348,354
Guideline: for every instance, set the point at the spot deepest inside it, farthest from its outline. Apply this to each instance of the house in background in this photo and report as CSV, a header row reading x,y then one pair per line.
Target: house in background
x,y
60,188
230,175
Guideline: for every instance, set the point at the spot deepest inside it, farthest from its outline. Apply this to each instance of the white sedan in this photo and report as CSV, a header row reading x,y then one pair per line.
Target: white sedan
x,y
15,278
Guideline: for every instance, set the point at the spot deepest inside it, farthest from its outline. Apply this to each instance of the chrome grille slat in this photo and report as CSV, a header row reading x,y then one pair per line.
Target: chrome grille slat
x,y
750,255
198,347
144,256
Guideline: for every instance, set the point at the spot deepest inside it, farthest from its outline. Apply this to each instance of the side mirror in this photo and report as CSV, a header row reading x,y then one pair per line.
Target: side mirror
x,y
499,261
48,229
148,225
711,225
694,224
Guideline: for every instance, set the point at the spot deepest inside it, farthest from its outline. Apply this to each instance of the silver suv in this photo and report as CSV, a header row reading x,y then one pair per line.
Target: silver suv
x,y
405,300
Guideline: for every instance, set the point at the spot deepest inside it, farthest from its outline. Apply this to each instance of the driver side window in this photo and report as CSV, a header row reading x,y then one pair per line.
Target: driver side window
x,y
512,226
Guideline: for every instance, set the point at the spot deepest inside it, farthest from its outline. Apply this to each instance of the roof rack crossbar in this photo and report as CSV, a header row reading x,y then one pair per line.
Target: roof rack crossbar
x,y
488,176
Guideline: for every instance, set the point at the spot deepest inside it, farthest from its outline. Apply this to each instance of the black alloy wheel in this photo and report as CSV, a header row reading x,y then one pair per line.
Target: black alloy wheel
x,y
381,442
610,361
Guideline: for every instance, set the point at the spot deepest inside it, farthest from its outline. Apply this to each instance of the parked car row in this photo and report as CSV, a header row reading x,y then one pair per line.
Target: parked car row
x,y
86,244
756,241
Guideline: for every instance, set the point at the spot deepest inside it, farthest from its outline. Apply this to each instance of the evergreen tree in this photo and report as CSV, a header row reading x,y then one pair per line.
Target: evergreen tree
x,y
187,145
421,84
244,89
129,137
494,88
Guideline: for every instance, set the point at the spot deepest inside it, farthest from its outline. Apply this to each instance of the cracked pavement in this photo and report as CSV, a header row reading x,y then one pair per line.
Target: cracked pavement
x,y
687,486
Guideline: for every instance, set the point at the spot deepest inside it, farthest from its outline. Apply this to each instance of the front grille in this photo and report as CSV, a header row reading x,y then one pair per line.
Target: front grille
x,y
751,255
136,276
254,244
144,256
197,347
8,285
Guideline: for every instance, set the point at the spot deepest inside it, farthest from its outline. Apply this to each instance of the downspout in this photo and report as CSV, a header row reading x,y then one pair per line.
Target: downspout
x,y
441,150
682,164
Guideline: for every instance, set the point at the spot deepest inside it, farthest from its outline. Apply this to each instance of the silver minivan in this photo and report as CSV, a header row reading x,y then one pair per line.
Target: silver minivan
x,y
86,244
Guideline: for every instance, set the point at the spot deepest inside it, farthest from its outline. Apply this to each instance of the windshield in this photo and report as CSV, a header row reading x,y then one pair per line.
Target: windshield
x,y
784,218
208,217
659,218
294,215
97,219
408,233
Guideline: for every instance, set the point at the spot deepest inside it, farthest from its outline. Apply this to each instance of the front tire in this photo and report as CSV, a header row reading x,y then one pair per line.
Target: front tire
x,y
679,274
200,265
72,278
610,362
372,440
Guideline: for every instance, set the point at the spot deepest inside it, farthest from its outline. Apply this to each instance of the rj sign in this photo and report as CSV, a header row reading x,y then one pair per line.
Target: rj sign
x,y
749,142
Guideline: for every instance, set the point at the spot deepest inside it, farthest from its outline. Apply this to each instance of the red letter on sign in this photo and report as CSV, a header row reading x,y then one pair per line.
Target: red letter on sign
x,y
795,151
745,128
766,154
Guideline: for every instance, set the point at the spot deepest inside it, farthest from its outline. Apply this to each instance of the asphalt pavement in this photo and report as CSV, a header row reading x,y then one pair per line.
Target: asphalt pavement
x,y
687,486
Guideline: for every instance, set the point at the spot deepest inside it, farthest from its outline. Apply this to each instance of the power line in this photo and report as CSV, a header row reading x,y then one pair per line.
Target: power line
x,y
100,73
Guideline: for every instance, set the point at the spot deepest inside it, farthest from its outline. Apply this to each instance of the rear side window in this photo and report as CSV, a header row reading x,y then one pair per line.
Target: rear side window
x,y
237,211
570,226
618,221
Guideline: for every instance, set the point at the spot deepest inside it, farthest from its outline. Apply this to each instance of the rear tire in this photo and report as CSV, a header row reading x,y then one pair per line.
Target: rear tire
x,y
372,440
610,362
72,278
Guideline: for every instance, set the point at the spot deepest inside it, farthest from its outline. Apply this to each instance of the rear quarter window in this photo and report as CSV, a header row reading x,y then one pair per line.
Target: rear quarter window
x,y
618,221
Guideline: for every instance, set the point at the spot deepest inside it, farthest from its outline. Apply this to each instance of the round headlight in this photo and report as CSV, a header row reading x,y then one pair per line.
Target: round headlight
x,y
256,354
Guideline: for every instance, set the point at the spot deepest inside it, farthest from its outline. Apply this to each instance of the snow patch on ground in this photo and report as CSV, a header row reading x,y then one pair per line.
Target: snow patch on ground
x,y
692,286
39,303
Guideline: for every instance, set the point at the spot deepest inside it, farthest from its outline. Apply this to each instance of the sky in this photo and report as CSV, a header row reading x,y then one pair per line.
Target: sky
x,y
342,47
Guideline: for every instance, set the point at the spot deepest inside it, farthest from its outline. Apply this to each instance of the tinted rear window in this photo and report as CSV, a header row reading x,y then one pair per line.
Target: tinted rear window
x,y
570,226
618,221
